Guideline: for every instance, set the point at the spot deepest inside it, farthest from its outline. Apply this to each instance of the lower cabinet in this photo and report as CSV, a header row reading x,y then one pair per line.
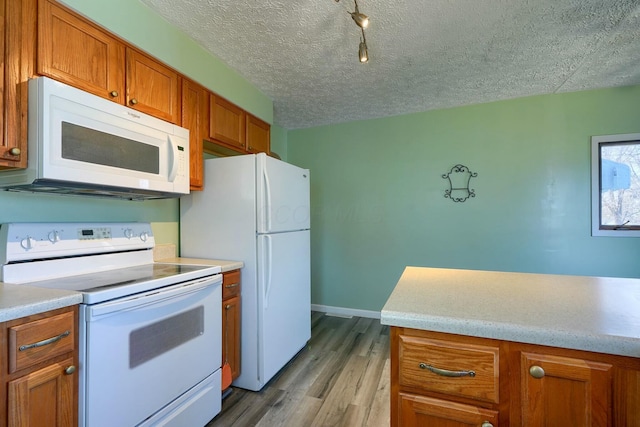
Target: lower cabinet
x,y
39,380
231,321
418,411
550,383
43,397
452,380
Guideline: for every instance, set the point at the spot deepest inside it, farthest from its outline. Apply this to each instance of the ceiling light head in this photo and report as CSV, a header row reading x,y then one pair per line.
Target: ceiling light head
x,y
363,53
360,18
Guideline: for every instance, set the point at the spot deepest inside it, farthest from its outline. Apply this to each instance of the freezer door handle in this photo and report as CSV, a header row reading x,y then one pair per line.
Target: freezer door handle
x,y
266,271
267,200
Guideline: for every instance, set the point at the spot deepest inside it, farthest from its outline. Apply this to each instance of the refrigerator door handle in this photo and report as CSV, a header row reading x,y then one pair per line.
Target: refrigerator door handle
x,y
267,270
267,199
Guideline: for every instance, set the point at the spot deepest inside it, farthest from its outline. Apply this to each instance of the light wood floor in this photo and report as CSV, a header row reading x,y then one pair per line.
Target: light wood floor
x,y
341,378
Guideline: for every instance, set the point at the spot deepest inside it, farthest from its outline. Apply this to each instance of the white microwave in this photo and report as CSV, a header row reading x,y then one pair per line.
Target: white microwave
x,y
82,144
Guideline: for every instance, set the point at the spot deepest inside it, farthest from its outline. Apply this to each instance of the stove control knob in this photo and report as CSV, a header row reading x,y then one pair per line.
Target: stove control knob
x,y
144,236
54,236
128,233
28,243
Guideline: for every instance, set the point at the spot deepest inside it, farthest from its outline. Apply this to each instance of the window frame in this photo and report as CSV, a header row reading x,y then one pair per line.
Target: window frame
x,y
597,229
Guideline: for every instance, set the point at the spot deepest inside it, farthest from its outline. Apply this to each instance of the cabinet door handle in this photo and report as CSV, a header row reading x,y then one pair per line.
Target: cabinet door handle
x,y
536,371
133,101
15,151
114,93
486,424
232,285
70,370
44,342
446,372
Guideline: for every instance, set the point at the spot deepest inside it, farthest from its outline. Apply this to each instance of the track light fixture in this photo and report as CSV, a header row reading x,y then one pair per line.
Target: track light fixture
x,y
359,18
362,21
363,52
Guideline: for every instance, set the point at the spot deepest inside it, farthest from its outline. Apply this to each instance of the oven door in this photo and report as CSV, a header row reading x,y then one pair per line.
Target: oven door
x,y
140,353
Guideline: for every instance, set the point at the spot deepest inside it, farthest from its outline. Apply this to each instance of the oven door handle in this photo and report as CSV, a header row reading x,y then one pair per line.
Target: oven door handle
x,y
153,296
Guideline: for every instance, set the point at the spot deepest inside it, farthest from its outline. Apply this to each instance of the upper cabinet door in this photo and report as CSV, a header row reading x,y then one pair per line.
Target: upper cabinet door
x,y
227,122
152,87
75,52
195,102
258,135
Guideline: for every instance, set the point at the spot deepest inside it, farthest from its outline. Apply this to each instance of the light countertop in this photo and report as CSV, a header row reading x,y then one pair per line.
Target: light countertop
x,y
577,312
226,265
22,300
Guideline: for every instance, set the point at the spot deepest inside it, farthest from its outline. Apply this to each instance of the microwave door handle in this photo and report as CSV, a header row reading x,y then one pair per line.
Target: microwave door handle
x,y
173,159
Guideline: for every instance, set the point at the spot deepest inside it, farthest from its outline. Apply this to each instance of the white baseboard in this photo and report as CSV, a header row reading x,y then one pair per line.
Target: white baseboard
x,y
345,312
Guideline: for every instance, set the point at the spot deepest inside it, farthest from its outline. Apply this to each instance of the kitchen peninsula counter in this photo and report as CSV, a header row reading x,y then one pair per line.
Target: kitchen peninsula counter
x,y
18,301
594,314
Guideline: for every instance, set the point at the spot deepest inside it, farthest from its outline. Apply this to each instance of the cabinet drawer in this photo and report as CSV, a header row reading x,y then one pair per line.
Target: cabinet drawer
x,y
425,411
230,284
34,342
457,369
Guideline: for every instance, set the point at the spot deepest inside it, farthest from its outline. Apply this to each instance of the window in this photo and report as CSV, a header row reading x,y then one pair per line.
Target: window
x,y
615,185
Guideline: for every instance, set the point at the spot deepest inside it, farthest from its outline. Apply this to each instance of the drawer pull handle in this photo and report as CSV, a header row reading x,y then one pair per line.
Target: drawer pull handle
x,y
446,372
536,371
44,342
70,370
486,424
232,285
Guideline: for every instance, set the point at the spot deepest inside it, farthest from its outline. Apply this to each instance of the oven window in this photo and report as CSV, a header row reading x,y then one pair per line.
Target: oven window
x,y
92,146
160,337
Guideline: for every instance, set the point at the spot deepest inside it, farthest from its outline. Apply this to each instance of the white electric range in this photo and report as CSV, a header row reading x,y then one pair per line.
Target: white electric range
x,y
149,334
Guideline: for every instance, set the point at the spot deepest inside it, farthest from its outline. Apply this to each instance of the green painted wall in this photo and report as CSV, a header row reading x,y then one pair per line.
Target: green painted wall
x,y
140,26
378,196
279,141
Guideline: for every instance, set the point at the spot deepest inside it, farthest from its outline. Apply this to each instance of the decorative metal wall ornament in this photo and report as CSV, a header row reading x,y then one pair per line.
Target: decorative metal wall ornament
x,y
459,177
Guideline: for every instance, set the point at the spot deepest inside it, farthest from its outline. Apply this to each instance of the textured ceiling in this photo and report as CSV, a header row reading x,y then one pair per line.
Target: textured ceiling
x,y
424,54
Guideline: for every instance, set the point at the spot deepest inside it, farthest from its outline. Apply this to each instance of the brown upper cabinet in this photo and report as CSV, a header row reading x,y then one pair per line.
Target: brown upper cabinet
x,y
258,135
195,117
15,70
74,51
233,128
227,123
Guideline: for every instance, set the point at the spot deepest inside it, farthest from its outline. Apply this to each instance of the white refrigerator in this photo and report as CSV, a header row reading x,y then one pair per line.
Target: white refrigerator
x,y
255,209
